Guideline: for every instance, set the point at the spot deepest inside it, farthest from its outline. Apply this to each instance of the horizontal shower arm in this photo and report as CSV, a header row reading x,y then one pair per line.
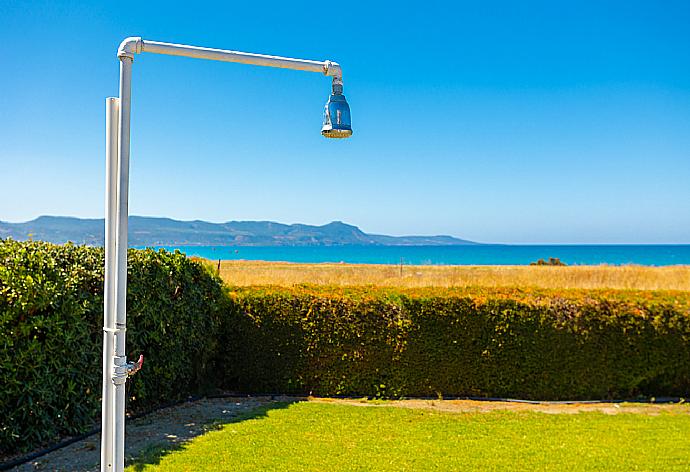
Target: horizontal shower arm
x,y
131,46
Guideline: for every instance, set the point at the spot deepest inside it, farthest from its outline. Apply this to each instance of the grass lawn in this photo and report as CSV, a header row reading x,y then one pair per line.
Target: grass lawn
x,y
311,436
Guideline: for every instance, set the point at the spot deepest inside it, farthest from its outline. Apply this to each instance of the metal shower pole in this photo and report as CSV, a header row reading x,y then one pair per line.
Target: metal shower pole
x,y
112,118
116,369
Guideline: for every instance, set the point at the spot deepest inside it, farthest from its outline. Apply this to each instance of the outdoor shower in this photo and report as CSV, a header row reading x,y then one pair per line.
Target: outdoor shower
x,y
116,369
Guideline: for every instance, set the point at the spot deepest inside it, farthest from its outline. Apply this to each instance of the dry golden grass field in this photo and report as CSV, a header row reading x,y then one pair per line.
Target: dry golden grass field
x,y
243,273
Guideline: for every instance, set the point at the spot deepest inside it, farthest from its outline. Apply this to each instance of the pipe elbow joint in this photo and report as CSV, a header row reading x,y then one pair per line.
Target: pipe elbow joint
x,y
333,69
129,47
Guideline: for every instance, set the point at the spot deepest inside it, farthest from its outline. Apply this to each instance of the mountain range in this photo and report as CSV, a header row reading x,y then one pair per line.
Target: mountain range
x,y
148,231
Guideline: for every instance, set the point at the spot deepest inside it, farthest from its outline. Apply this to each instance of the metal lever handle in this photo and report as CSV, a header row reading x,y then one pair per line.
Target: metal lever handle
x,y
134,367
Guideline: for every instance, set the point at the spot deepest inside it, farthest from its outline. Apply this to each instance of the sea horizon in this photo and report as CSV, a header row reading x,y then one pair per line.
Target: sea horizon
x,y
479,254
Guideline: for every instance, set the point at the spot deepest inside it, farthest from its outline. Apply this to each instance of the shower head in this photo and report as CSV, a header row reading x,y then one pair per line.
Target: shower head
x,y
336,115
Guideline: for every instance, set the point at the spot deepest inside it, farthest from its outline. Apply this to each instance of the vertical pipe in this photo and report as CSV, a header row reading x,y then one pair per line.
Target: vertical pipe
x,y
111,132
121,264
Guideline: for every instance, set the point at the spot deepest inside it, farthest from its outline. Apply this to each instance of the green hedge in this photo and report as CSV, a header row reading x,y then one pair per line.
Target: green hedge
x,y
531,344
537,344
51,318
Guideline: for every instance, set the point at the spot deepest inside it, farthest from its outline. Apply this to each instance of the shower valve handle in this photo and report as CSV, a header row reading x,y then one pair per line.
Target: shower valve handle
x,y
134,367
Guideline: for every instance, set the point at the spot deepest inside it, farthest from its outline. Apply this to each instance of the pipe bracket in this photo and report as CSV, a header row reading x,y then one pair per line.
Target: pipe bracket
x,y
119,370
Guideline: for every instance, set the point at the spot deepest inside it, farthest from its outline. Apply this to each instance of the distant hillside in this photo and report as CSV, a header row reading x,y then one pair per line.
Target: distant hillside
x,y
145,231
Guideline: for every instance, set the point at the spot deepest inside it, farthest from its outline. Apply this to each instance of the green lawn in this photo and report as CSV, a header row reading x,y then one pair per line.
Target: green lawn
x,y
332,437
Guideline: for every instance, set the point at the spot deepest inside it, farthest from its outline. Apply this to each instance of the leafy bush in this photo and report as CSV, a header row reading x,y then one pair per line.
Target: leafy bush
x,y
553,261
532,344
51,318
542,344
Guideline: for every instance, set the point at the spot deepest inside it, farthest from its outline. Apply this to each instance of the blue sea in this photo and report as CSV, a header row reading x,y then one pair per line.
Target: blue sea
x,y
651,255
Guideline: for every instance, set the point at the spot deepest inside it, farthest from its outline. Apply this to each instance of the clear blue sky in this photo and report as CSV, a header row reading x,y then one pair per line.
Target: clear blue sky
x,y
522,122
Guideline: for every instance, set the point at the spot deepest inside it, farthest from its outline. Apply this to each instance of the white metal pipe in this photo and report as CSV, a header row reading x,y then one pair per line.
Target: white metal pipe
x,y
233,56
112,118
122,212
131,46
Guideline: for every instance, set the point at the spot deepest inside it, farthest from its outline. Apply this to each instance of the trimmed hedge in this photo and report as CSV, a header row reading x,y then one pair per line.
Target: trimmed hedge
x,y
51,318
531,344
537,344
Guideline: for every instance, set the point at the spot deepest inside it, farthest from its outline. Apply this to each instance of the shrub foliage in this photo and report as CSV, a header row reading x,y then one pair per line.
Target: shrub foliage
x,y
539,344
197,336
51,319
